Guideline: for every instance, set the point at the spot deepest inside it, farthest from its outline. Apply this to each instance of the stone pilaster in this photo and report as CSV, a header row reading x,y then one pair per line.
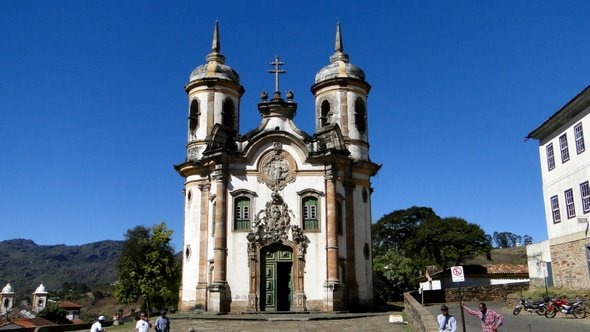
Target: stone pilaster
x,y
201,298
331,228
218,298
299,297
334,289
351,285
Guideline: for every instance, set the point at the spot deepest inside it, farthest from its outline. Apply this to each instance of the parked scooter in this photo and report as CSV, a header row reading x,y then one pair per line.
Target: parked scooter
x,y
562,305
537,307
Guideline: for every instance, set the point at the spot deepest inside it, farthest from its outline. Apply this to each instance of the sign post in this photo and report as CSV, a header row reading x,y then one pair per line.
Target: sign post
x,y
545,272
458,276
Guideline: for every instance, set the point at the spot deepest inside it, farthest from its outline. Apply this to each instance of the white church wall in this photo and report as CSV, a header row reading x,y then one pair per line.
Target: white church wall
x,y
190,268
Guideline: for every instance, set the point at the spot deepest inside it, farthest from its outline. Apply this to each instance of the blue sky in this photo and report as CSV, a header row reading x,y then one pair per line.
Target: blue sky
x,y
94,111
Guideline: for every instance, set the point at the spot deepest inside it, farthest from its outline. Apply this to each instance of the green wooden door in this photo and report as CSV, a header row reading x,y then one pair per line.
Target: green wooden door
x,y
276,282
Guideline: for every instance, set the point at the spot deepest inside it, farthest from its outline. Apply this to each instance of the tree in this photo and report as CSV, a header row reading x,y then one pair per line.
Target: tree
x,y
397,229
510,240
406,241
450,241
527,239
53,312
394,274
147,268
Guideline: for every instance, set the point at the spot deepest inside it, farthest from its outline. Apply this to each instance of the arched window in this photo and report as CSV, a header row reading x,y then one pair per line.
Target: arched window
x,y
360,115
194,114
242,213
325,114
228,113
310,213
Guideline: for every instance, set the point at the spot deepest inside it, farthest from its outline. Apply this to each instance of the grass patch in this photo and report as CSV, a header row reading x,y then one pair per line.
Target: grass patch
x,y
539,293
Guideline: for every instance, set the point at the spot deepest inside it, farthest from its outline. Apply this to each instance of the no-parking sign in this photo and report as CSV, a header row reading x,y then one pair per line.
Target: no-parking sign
x,y
457,274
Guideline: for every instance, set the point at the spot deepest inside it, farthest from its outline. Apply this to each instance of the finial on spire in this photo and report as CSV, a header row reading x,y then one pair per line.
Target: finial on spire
x,y
215,54
339,54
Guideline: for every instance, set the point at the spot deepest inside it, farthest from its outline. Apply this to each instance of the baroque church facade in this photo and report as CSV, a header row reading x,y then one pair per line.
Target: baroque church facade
x,y
277,219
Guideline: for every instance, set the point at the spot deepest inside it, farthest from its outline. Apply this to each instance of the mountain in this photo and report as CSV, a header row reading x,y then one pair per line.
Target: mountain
x,y
516,255
25,265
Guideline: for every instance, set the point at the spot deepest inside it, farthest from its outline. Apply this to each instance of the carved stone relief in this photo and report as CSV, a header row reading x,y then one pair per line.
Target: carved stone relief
x,y
273,225
277,169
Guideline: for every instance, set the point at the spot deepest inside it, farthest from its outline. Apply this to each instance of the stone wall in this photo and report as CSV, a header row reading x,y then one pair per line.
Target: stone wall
x,y
419,317
570,264
485,293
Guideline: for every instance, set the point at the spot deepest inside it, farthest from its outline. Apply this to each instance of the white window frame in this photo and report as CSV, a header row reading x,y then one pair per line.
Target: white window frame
x,y
585,195
555,209
563,148
550,156
569,203
579,137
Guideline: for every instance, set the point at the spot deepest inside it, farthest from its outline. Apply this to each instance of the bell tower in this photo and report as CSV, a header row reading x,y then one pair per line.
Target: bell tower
x,y
340,92
214,94
6,299
40,298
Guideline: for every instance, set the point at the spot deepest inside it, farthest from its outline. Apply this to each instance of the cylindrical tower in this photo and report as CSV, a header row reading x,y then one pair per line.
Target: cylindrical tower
x,y
214,94
340,92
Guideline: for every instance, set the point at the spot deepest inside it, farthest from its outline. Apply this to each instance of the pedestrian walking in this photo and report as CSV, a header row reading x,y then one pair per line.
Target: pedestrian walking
x,y
162,323
142,325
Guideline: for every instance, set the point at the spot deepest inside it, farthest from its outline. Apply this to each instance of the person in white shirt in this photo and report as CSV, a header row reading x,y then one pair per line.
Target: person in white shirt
x,y
97,326
446,321
142,324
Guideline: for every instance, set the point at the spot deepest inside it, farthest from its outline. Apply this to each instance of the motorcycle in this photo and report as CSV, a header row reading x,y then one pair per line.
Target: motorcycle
x,y
562,305
537,307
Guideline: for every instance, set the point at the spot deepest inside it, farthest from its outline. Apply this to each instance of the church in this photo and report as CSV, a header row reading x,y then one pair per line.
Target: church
x,y
277,219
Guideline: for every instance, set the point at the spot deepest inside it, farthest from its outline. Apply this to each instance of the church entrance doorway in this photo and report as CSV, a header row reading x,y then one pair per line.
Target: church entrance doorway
x,y
276,283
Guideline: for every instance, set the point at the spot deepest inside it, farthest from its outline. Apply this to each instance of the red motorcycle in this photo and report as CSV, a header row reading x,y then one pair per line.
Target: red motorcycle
x,y
562,305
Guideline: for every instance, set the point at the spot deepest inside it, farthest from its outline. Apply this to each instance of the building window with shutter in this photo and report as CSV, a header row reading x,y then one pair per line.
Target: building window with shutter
x,y
579,136
555,209
310,214
550,157
565,154
242,213
569,203
585,192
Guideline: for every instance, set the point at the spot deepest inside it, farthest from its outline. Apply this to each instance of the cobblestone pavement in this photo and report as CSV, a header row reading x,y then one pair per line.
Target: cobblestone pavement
x,y
288,323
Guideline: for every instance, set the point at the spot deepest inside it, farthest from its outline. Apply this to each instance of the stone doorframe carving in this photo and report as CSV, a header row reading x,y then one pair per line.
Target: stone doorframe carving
x,y
273,226
255,271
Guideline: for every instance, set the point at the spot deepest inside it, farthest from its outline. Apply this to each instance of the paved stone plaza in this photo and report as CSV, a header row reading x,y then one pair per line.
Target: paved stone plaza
x,y
287,323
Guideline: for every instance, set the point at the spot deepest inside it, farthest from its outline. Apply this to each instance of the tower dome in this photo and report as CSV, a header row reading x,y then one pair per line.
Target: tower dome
x,y
7,289
40,290
215,66
340,65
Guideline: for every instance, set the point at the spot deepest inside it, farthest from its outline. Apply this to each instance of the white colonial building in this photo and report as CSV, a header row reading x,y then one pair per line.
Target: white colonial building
x,y
565,174
277,219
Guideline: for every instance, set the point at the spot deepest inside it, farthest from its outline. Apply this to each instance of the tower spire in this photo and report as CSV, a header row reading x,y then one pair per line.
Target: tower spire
x,y
338,47
339,54
215,54
215,47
